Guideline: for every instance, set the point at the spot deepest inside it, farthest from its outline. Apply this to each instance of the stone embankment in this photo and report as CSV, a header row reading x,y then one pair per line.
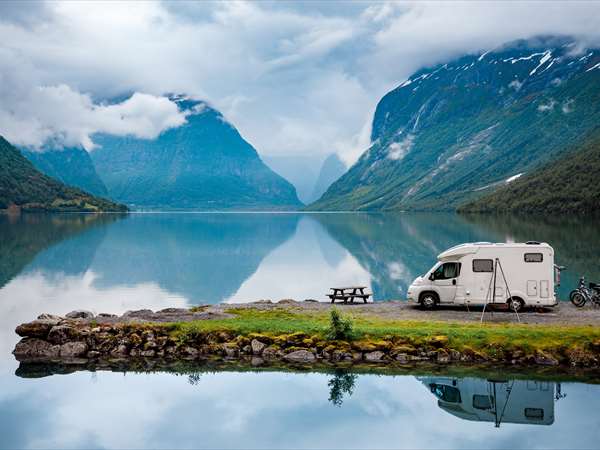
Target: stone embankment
x,y
82,336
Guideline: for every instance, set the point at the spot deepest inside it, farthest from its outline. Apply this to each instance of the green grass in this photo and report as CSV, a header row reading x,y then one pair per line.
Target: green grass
x,y
486,338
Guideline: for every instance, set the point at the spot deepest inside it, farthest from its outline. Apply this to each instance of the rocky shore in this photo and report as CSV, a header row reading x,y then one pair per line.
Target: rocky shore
x,y
83,337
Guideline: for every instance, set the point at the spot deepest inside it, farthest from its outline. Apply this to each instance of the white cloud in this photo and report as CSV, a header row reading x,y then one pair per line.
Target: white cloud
x,y
33,114
398,150
294,78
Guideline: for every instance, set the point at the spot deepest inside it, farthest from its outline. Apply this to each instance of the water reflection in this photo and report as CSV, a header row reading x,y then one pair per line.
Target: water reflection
x,y
181,259
500,401
23,237
279,409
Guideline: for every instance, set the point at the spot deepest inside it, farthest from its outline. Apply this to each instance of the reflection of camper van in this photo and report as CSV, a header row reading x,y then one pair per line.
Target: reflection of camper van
x,y
523,274
514,401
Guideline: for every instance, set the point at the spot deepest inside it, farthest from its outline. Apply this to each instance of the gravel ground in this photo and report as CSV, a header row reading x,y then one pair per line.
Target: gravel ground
x,y
563,314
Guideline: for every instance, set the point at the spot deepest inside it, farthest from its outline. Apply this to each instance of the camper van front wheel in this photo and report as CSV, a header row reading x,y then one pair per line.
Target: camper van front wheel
x,y
515,304
428,300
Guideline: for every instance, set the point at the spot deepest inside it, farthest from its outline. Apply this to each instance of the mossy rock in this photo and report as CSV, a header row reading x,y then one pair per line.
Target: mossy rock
x,y
406,349
296,338
135,339
280,341
264,338
438,341
364,346
242,341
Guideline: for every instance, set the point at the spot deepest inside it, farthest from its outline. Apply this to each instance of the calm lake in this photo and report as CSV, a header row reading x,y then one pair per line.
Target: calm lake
x,y
110,263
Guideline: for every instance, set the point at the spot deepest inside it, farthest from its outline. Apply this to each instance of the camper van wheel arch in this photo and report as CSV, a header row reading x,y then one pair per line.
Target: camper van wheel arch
x,y
515,303
429,300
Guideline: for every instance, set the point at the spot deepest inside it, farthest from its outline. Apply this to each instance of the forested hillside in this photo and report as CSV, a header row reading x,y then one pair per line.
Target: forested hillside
x,y
567,185
22,186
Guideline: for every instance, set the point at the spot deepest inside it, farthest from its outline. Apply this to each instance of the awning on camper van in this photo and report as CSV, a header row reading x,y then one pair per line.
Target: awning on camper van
x,y
458,251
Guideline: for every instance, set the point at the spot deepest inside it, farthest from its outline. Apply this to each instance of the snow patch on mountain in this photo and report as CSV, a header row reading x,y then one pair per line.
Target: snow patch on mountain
x,y
513,178
543,107
597,66
516,85
543,60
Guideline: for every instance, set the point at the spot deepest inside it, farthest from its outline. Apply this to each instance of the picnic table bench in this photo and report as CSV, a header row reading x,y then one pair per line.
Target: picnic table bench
x,y
348,293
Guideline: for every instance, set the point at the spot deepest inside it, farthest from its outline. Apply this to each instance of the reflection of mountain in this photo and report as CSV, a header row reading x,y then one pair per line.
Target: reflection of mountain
x,y
205,257
506,401
576,241
331,250
396,248
24,237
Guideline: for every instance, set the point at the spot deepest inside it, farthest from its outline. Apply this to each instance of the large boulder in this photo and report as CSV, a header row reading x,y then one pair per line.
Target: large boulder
x,y
257,347
80,314
36,348
73,349
300,356
374,356
61,334
38,328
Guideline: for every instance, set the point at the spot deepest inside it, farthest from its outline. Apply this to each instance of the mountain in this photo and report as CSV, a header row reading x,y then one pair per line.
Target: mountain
x,y
204,164
331,170
23,186
449,131
302,171
71,166
567,185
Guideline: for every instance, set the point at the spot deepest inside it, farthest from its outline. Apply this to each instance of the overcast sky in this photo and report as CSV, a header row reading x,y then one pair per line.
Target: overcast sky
x,y
294,77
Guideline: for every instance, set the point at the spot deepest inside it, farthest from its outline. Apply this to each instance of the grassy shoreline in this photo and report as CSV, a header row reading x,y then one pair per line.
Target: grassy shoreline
x,y
310,336
372,332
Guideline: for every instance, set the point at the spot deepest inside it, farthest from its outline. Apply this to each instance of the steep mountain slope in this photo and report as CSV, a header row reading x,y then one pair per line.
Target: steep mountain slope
x,y
71,166
24,187
567,185
448,131
331,170
204,164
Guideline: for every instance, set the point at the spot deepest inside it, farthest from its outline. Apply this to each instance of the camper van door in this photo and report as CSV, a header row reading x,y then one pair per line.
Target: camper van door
x,y
444,279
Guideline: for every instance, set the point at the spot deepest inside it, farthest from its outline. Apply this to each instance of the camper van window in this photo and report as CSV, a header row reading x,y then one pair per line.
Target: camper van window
x,y
483,402
483,265
447,271
446,393
534,413
534,257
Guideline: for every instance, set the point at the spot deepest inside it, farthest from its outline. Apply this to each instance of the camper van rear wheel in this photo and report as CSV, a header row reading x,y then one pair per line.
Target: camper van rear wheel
x,y
515,304
428,300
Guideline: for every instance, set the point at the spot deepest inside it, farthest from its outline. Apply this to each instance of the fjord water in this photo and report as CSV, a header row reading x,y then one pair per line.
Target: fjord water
x,y
112,263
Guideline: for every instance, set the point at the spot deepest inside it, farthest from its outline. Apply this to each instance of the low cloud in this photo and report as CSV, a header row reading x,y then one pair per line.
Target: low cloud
x,y
36,115
294,78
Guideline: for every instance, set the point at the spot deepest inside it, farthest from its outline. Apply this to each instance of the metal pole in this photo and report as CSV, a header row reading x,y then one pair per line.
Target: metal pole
x,y
508,289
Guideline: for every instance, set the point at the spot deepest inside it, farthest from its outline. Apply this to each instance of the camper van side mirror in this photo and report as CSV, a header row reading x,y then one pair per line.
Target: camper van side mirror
x,y
431,276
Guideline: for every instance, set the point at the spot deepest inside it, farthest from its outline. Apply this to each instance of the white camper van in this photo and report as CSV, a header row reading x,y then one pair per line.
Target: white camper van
x,y
523,275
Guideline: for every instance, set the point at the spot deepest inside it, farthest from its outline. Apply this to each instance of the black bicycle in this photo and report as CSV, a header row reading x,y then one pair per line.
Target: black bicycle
x,y
583,294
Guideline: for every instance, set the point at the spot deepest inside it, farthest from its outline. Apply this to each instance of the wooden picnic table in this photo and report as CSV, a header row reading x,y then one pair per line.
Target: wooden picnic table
x,y
348,293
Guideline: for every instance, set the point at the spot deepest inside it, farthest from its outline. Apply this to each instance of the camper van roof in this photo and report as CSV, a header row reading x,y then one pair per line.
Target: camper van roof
x,y
473,247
